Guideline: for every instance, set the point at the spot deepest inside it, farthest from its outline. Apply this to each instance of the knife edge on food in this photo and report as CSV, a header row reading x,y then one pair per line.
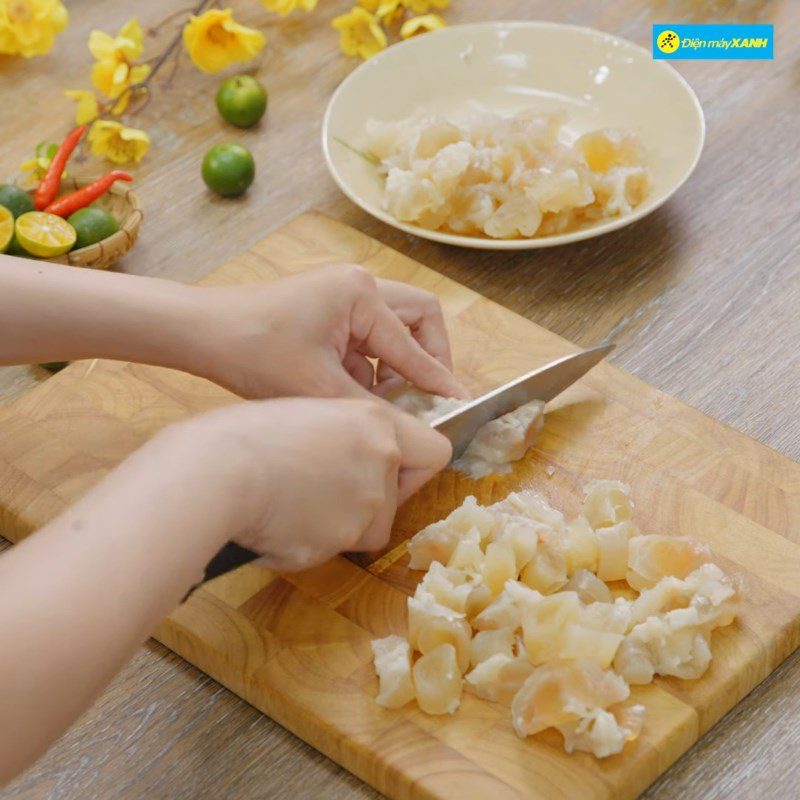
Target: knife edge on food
x,y
543,383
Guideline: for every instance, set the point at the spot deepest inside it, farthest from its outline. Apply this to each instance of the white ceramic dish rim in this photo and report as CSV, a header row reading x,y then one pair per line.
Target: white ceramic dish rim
x,y
511,244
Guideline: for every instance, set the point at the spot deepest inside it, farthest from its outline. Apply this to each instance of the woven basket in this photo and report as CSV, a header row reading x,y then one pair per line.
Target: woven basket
x,y
123,204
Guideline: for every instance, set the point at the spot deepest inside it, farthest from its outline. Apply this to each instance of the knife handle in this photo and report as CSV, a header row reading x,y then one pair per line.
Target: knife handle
x,y
229,558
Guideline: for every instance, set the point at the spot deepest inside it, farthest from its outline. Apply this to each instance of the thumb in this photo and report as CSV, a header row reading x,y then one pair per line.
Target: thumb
x,y
424,452
337,381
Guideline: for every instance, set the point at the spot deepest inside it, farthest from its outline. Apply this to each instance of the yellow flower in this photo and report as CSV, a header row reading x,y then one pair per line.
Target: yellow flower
x,y
424,6
115,72
214,40
37,166
389,11
429,22
87,109
29,27
284,7
360,33
117,142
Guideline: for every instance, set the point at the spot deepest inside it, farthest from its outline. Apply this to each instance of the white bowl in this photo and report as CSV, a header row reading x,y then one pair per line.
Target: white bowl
x,y
599,79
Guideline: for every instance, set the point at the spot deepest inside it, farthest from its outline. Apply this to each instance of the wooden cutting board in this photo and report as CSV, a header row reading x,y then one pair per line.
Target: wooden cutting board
x,y
297,646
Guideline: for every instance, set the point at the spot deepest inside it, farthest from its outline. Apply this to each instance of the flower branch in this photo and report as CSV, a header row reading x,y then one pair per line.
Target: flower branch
x,y
123,80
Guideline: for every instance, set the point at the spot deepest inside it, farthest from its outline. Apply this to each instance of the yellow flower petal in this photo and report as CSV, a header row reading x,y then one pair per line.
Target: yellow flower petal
x,y
360,33
87,108
37,167
428,22
116,142
284,7
424,6
130,39
103,77
101,45
59,18
139,73
214,40
29,27
132,30
134,135
120,75
121,106
389,11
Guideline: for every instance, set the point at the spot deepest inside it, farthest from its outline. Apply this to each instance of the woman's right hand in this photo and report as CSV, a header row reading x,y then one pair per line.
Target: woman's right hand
x,y
297,480
306,479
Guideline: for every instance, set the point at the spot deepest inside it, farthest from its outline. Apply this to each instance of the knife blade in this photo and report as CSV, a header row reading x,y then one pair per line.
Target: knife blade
x,y
543,383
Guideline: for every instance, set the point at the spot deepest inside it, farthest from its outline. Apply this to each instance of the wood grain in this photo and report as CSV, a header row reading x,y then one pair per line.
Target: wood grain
x,y
297,647
701,296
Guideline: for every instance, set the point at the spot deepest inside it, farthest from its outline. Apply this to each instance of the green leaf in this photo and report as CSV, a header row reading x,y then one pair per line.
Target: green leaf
x,y
368,157
44,150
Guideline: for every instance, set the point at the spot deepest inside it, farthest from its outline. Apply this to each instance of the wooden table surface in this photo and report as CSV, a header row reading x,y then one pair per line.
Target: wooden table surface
x,y
701,297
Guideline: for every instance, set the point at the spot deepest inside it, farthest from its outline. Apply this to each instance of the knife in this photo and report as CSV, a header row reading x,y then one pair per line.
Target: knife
x,y
543,383
461,425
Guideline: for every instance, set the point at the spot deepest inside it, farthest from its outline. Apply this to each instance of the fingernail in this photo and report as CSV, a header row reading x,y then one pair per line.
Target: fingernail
x,y
459,390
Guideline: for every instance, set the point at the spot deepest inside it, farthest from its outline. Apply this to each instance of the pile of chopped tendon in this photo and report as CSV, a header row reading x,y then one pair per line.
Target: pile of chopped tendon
x,y
484,174
515,607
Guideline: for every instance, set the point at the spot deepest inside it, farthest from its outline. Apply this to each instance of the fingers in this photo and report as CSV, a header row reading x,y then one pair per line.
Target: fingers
x,y
384,336
377,534
345,379
422,313
424,453
400,325
360,369
378,331
387,381
413,456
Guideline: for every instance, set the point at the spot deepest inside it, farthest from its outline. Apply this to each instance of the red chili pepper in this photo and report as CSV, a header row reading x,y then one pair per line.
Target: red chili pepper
x,y
48,189
65,205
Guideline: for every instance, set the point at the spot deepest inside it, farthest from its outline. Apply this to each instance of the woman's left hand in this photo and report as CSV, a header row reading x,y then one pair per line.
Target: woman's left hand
x,y
313,334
